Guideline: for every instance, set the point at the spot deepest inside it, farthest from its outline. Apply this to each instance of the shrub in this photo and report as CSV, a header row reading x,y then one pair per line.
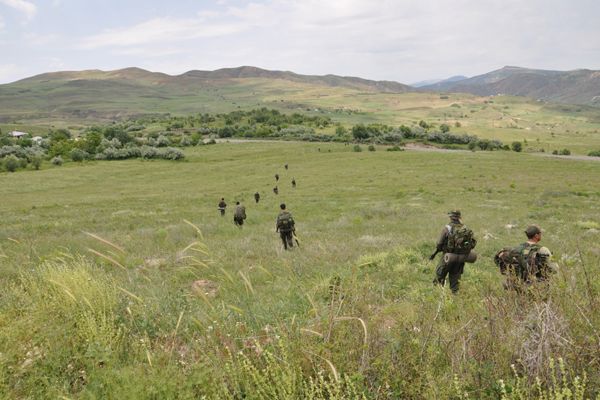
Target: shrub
x,y
565,152
371,147
163,141
516,146
357,148
78,155
36,162
171,153
595,153
58,161
11,163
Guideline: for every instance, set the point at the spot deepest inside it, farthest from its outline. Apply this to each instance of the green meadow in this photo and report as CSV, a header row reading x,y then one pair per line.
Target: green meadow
x,y
98,261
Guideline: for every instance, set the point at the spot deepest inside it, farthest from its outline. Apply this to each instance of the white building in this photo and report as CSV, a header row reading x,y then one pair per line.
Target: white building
x,y
18,134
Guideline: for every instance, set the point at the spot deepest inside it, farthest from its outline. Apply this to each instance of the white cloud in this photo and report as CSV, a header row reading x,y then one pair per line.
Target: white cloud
x,y
159,30
26,7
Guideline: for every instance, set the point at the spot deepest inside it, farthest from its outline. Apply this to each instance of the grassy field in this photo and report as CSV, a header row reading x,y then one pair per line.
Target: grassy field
x,y
351,312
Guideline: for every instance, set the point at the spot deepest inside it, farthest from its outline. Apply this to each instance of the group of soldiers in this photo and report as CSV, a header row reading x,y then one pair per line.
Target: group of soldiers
x,y
285,224
525,265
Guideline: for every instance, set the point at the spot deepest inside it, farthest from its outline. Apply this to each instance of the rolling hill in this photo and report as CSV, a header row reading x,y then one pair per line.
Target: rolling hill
x,y
580,86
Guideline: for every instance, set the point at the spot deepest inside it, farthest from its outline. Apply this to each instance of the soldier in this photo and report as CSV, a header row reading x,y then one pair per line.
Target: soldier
x,y
293,182
276,177
239,215
285,227
456,242
256,197
286,166
221,206
275,190
527,263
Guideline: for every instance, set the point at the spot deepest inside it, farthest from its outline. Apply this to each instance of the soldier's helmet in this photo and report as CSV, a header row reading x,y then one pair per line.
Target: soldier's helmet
x,y
454,214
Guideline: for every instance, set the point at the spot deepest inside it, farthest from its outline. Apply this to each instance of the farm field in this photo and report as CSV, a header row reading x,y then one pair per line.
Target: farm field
x,y
97,262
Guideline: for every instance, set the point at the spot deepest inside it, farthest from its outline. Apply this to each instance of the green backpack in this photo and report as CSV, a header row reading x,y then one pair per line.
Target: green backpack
x,y
461,239
522,261
285,222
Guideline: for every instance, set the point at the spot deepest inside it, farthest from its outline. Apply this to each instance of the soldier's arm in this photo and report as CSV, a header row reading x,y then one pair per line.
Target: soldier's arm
x,y
442,240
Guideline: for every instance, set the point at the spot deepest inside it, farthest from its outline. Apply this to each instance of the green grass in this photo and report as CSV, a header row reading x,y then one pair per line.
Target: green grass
x,y
86,318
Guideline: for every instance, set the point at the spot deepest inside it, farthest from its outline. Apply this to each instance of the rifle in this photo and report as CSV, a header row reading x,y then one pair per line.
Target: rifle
x,y
296,238
431,257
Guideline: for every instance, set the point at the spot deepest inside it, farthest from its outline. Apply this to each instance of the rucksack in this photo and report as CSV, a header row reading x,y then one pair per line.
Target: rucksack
x,y
285,222
522,261
460,239
240,212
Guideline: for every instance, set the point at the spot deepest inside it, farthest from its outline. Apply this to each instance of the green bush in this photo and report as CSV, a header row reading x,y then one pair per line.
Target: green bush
x,y
395,148
516,146
357,148
565,152
595,153
36,162
371,147
78,155
11,163
58,161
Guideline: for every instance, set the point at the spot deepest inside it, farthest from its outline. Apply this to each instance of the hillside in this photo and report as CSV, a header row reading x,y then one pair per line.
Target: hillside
x,y
98,95
572,87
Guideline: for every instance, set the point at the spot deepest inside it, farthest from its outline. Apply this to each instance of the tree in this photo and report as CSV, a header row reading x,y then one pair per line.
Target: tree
x,y
444,128
360,132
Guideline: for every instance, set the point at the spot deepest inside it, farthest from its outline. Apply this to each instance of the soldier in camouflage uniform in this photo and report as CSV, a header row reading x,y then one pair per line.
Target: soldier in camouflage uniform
x,y
285,227
452,270
531,262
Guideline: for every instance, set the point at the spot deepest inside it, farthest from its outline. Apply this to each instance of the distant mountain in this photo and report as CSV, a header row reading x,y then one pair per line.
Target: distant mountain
x,y
141,76
574,87
438,81
108,95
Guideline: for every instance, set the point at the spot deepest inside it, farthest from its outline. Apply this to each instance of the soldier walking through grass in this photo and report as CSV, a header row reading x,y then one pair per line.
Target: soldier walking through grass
x,y
221,206
256,197
276,177
456,242
239,215
293,182
286,227
276,190
526,264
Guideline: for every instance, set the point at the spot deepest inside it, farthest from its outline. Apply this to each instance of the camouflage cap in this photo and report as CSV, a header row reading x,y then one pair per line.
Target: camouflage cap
x,y
454,214
532,230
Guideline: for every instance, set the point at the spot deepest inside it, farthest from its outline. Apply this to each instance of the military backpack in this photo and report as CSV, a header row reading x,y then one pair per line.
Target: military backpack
x,y
460,239
285,222
522,261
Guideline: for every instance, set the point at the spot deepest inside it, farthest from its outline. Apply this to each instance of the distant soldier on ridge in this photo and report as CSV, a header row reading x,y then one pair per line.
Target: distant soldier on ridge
x,y
239,215
221,206
293,182
275,190
256,197
285,227
456,242
276,177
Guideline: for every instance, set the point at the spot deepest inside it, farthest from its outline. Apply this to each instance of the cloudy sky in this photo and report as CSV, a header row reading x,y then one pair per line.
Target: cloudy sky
x,y
400,40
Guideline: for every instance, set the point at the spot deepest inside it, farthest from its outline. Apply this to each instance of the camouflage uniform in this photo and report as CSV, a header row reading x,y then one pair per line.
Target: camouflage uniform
x,y
286,232
222,205
452,270
256,196
239,215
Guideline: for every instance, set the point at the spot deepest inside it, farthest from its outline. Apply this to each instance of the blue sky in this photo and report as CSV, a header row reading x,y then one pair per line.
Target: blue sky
x,y
402,40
